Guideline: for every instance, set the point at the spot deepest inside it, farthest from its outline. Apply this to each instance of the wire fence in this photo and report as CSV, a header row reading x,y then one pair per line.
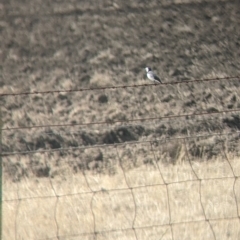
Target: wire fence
x,y
120,87
192,182
125,121
143,189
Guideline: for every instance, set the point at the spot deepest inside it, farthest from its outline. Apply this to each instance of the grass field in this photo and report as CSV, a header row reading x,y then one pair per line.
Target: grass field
x,y
142,172
138,194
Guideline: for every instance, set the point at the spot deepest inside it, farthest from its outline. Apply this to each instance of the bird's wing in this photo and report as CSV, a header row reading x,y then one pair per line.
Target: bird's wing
x,y
157,78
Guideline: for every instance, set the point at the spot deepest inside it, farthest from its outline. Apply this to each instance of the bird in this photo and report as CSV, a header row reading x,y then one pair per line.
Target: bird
x,y
152,76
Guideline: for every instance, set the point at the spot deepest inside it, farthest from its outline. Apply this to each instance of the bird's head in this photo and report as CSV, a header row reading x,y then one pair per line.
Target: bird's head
x,y
148,69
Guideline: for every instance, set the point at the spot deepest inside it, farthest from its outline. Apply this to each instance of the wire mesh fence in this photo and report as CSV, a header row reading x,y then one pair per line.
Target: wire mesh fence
x,y
175,187
138,190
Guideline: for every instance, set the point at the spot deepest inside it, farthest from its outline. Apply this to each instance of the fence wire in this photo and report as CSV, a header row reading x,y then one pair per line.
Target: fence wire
x,y
132,189
135,187
120,87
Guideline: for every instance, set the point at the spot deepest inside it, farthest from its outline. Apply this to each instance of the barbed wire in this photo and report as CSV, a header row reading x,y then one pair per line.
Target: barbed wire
x,y
162,140
120,87
107,127
125,121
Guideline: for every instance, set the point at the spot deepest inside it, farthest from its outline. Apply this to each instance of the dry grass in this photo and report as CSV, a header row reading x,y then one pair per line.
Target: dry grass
x,y
139,194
